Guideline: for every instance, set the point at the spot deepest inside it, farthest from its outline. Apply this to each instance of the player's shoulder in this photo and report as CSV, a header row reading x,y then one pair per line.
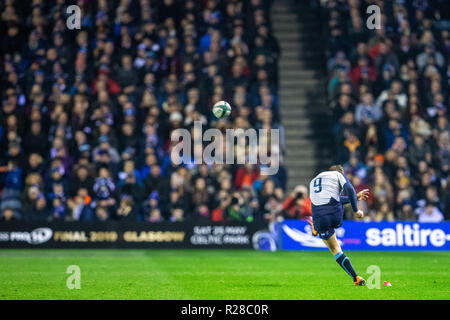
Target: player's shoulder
x,y
327,174
330,175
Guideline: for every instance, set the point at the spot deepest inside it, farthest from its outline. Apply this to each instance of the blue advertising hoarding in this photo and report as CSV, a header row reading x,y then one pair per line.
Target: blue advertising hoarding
x,y
353,235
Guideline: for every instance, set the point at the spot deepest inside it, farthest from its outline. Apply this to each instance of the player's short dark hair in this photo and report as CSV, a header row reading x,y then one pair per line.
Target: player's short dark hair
x,y
337,167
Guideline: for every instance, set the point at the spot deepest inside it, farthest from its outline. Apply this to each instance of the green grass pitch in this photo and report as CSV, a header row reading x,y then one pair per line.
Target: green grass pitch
x,y
215,274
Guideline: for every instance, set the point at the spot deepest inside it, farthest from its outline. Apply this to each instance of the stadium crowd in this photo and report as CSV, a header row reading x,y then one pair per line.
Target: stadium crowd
x,y
86,115
389,91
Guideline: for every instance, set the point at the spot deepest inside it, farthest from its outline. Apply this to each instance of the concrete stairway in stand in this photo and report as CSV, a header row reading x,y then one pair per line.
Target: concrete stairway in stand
x,y
302,93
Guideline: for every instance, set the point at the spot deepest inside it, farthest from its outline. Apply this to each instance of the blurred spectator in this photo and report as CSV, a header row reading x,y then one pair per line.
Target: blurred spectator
x,y
298,204
11,193
80,206
429,213
8,215
126,210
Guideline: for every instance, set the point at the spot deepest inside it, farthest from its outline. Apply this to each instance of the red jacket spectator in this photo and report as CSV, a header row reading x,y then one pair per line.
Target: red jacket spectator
x,y
217,215
297,208
357,73
112,86
245,176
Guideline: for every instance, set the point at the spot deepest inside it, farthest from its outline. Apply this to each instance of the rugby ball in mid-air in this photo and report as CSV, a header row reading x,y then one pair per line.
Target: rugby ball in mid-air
x,y
221,109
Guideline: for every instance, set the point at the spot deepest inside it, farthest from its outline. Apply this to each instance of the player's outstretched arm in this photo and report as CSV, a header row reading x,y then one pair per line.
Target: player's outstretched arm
x,y
352,197
362,195
359,213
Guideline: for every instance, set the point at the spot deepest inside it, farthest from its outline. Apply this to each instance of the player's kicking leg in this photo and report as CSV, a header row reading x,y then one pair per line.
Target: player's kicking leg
x,y
343,260
313,229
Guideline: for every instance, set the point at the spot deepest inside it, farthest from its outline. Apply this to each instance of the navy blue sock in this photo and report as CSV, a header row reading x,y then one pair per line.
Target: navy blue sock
x,y
345,263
